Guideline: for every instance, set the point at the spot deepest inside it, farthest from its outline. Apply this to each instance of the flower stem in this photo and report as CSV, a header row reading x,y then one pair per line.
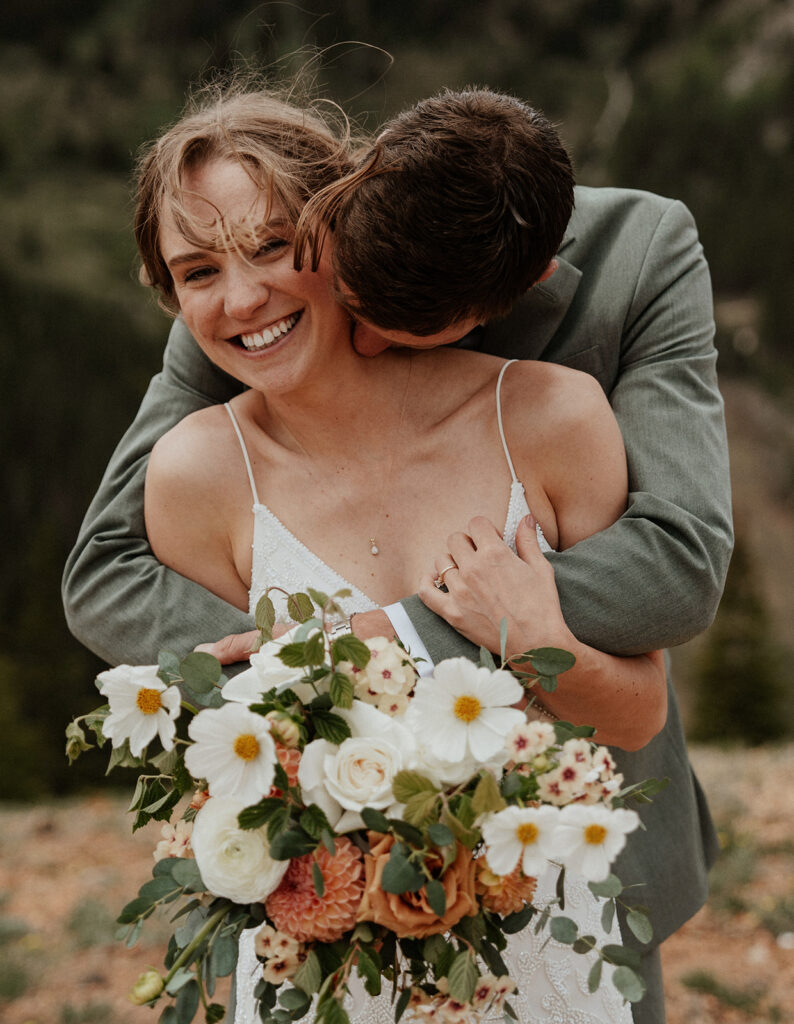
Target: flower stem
x,y
195,942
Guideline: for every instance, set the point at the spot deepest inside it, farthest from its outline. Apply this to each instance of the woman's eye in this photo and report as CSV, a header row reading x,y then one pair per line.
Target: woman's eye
x,y
271,246
198,274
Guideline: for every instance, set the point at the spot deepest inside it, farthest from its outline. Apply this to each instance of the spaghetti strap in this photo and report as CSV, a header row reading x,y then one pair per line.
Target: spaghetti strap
x,y
499,418
239,433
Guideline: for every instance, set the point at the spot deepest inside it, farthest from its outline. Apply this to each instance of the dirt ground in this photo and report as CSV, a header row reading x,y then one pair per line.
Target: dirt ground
x,y
66,869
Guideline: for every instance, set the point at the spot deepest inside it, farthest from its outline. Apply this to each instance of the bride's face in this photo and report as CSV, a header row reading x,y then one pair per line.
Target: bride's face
x,y
254,315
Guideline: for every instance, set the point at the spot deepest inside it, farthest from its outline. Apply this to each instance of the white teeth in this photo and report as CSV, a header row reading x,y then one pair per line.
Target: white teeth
x,y
254,342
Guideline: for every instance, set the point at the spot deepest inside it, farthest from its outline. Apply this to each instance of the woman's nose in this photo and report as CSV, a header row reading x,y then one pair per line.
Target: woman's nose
x,y
246,290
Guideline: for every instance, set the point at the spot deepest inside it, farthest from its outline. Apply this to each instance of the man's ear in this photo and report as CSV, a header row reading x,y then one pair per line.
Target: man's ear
x,y
553,264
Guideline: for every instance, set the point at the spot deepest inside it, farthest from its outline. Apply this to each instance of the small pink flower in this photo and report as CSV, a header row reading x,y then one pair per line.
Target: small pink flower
x,y
175,841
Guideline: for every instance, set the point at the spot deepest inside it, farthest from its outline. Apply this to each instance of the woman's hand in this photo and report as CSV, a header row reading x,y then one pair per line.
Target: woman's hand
x,y
488,583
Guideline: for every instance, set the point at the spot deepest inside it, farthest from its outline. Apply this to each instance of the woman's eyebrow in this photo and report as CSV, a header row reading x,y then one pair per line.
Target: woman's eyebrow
x,y
186,257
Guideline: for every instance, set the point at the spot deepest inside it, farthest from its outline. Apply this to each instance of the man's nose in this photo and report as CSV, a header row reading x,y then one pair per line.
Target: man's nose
x,y
246,290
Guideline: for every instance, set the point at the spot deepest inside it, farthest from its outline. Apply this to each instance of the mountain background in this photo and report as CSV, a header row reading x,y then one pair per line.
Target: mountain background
x,y
689,98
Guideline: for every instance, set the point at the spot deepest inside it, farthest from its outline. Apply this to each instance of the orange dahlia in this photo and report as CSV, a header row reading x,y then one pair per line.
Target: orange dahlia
x,y
504,894
295,908
289,759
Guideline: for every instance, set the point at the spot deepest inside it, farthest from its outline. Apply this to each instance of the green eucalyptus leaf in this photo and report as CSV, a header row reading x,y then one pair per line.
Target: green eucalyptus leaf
x,y
584,944
609,887
608,916
186,872
200,671
309,975
621,956
318,880
223,954
292,843
440,835
640,925
402,1003
547,683
374,820
550,661
629,983
436,897
502,638
399,875
516,922
563,929
295,999
187,1002
463,975
487,659
407,832
214,1013
168,666
594,977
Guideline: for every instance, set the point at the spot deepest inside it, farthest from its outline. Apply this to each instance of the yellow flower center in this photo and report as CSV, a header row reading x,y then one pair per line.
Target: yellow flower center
x,y
148,701
595,834
467,708
246,746
527,833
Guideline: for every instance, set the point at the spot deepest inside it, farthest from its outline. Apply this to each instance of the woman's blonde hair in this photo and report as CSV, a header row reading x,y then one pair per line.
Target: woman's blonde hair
x,y
290,152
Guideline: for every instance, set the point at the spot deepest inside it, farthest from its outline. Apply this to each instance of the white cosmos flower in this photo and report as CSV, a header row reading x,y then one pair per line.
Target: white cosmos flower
x,y
591,836
234,862
520,834
141,706
266,672
463,709
233,751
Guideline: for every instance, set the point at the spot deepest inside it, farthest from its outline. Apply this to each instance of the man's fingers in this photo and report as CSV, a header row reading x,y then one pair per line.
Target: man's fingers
x,y
236,647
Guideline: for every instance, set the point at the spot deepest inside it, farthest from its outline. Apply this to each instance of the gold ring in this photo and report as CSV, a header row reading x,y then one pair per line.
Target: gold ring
x,y
438,582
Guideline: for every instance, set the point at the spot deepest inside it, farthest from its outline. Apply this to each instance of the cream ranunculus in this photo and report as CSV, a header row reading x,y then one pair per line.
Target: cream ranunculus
x,y
233,862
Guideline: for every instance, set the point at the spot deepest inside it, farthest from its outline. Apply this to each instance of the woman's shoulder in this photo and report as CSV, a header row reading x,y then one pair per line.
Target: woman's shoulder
x,y
194,454
561,397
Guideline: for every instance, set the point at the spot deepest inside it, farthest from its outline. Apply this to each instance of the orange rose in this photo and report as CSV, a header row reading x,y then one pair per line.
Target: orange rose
x,y
408,914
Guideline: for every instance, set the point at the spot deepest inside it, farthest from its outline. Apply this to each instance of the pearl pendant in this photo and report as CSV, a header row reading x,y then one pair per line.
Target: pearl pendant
x,y
373,546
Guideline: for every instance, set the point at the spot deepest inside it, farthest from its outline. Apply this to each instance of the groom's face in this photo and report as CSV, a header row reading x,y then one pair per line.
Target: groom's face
x,y
369,340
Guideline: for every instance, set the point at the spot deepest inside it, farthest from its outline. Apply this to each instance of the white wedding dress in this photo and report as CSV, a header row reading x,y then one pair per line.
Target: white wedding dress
x,y
551,978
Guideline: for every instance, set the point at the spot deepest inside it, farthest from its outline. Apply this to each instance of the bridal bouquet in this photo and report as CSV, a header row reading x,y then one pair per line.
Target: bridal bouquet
x,y
368,822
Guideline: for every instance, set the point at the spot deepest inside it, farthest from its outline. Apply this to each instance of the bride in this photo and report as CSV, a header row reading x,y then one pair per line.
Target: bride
x,y
335,470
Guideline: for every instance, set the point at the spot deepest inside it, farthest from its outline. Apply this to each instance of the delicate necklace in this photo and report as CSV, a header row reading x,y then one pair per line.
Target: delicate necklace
x,y
374,550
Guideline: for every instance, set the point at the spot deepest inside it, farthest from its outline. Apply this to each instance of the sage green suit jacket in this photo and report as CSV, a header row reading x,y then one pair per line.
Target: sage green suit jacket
x,y
630,303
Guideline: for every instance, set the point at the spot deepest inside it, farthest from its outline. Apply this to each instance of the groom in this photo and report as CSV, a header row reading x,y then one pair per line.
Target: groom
x,y
629,302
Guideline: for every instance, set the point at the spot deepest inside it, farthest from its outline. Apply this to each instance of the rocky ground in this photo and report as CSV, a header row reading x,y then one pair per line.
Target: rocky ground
x,y
66,869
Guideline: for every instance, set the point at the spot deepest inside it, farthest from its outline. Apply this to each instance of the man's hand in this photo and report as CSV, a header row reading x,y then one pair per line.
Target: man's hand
x,y
239,646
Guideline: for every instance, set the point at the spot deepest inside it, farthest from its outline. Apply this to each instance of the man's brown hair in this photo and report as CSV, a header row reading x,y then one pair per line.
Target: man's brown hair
x,y
455,212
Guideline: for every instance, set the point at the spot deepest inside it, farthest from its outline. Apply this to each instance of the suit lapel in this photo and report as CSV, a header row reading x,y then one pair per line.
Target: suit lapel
x,y
530,326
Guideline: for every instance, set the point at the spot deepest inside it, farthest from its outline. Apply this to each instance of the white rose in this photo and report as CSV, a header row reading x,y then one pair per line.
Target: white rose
x,y
358,773
234,862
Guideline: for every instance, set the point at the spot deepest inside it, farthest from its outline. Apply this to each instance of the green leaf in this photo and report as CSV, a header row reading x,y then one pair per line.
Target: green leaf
x,y
341,690
502,638
409,783
294,999
331,1011
608,916
436,897
122,757
374,820
486,659
314,649
584,944
200,671
168,665
630,984
300,607
314,821
166,761
594,977
214,1013
317,878
369,970
407,832
265,615
563,929
309,975
259,814
76,742
187,1002
279,822
550,661
400,875
223,954
331,727
519,920
547,683
350,648
560,889
621,956
319,598
402,1003
640,925
293,843
292,655
419,808
440,835
186,872
168,1016
609,887
486,796
463,977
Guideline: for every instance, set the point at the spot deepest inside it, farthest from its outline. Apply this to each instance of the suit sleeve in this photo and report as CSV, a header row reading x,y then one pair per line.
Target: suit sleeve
x,y
118,599
654,578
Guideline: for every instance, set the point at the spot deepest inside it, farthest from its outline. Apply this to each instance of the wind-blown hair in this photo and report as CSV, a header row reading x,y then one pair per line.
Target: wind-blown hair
x,y
289,152
453,214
